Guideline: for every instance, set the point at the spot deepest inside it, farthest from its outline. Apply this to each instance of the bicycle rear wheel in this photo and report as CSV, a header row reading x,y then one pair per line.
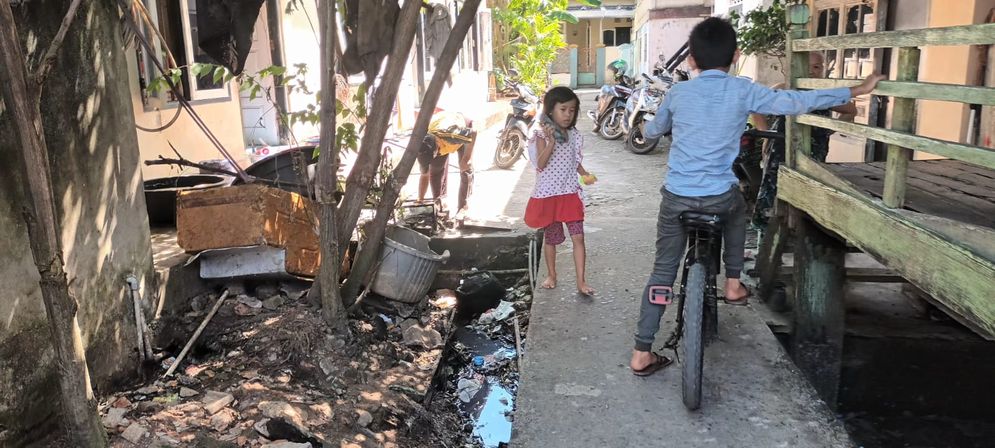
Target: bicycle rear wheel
x,y
694,343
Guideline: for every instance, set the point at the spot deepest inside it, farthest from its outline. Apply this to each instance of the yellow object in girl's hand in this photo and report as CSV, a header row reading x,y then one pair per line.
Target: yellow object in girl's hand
x,y
588,179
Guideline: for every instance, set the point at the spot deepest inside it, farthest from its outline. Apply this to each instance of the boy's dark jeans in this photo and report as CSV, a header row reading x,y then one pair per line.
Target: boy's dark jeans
x,y
671,242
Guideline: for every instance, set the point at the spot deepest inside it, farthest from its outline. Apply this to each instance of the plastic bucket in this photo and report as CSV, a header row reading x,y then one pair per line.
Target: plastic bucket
x,y
407,266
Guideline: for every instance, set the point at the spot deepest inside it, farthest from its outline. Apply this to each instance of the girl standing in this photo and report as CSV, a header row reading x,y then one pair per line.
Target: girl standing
x,y
555,151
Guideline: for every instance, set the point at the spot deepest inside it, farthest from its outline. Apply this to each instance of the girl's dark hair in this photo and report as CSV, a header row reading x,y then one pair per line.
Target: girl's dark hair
x,y
558,95
713,43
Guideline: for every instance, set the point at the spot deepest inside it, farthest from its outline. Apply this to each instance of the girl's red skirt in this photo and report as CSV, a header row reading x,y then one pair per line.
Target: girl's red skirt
x,y
541,212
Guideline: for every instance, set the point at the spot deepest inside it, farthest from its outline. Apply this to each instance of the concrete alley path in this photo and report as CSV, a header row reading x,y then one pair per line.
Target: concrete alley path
x,y
576,388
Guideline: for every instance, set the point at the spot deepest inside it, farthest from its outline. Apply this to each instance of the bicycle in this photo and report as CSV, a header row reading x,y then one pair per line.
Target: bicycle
x,y
696,292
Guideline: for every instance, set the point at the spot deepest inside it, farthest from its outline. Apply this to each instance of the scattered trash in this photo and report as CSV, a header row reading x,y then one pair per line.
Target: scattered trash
x,y
467,389
479,292
445,299
503,311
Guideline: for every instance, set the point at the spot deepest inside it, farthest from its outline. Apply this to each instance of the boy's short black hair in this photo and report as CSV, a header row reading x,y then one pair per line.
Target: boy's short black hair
x,y
558,95
713,43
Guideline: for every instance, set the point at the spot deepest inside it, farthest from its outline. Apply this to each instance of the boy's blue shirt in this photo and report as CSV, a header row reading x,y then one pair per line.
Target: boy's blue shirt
x,y
708,116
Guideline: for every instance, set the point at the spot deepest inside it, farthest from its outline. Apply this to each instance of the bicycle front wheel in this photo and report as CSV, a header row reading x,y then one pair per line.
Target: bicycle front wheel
x,y
694,343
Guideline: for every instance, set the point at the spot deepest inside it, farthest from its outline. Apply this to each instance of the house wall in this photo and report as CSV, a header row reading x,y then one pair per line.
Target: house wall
x,y
662,27
222,116
950,65
94,158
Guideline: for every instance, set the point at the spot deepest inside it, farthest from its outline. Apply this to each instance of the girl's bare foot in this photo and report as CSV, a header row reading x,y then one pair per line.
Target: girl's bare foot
x,y
584,289
549,283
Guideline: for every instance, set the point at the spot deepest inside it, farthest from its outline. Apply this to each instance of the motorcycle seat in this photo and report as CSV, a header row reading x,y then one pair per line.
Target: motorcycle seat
x,y
707,221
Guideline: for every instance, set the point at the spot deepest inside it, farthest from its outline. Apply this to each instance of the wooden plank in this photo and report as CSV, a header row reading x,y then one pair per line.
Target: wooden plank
x,y
957,184
820,172
923,200
967,153
949,271
859,275
819,311
917,90
954,169
949,198
981,171
903,118
769,261
954,35
980,240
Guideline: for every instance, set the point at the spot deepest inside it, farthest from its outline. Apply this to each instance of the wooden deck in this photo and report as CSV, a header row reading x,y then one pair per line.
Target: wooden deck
x,y
946,188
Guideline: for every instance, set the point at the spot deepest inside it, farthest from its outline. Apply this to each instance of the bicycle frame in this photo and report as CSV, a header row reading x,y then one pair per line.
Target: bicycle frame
x,y
705,246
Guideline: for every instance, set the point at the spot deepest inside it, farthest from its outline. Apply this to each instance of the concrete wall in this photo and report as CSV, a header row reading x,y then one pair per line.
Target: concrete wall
x,y
93,152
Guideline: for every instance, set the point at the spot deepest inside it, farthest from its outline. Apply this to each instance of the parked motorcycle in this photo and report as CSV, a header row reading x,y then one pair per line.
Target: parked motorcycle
x,y
641,109
608,118
513,138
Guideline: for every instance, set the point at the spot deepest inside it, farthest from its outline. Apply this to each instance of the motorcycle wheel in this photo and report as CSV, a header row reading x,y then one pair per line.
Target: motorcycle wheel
x,y
611,125
638,144
509,149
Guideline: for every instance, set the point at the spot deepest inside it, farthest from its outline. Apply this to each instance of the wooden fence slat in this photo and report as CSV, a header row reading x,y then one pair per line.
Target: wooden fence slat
x,y
966,153
917,90
954,35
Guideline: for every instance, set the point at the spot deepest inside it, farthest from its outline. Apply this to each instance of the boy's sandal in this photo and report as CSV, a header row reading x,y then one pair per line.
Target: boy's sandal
x,y
658,364
742,301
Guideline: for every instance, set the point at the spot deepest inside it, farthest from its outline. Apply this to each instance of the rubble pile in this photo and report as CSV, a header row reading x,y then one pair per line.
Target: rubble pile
x,y
266,372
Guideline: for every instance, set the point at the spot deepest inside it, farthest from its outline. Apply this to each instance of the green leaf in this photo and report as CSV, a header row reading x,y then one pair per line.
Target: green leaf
x,y
219,74
254,92
593,3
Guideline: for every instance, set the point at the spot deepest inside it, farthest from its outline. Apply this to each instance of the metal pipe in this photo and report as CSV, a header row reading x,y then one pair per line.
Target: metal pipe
x,y
136,300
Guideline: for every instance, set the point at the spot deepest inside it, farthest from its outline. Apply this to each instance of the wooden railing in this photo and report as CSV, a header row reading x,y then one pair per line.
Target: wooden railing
x,y
901,138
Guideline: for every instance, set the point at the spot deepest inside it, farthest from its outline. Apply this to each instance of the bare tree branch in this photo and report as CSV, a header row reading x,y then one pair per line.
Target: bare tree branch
x,y
53,49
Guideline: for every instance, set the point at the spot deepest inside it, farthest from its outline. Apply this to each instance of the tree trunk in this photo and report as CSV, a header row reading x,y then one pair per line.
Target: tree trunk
x,y
377,229
79,407
328,158
368,159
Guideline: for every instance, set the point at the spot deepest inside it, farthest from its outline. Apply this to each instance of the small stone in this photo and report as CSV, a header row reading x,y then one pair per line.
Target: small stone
x,y
201,302
286,444
186,392
322,411
223,419
363,418
274,302
216,401
114,417
244,310
425,337
266,291
134,433
121,402
165,440
260,427
148,390
284,410
242,440
251,302
148,407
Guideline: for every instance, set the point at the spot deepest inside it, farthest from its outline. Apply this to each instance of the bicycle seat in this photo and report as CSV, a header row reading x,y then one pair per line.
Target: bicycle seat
x,y
698,219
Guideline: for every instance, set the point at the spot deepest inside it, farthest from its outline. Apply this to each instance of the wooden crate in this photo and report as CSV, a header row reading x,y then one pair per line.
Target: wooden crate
x,y
250,215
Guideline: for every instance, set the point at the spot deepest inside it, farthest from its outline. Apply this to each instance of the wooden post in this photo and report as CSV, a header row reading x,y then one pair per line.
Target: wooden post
x,y
820,276
798,136
903,119
769,260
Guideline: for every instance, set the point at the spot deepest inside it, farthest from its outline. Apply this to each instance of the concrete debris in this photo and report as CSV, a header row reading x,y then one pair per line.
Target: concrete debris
x,y
135,433
282,409
216,401
114,418
186,392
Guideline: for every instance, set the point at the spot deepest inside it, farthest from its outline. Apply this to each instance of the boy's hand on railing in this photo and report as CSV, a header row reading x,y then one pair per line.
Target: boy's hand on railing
x,y
867,86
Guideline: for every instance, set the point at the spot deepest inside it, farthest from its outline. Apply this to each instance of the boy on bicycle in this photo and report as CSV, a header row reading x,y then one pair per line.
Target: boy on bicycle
x,y
707,116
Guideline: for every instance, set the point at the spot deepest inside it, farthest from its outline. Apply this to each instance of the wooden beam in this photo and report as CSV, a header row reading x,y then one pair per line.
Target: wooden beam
x,y
859,275
798,136
769,261
956,275
917,90
903,118
819,310
974,155
954,35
